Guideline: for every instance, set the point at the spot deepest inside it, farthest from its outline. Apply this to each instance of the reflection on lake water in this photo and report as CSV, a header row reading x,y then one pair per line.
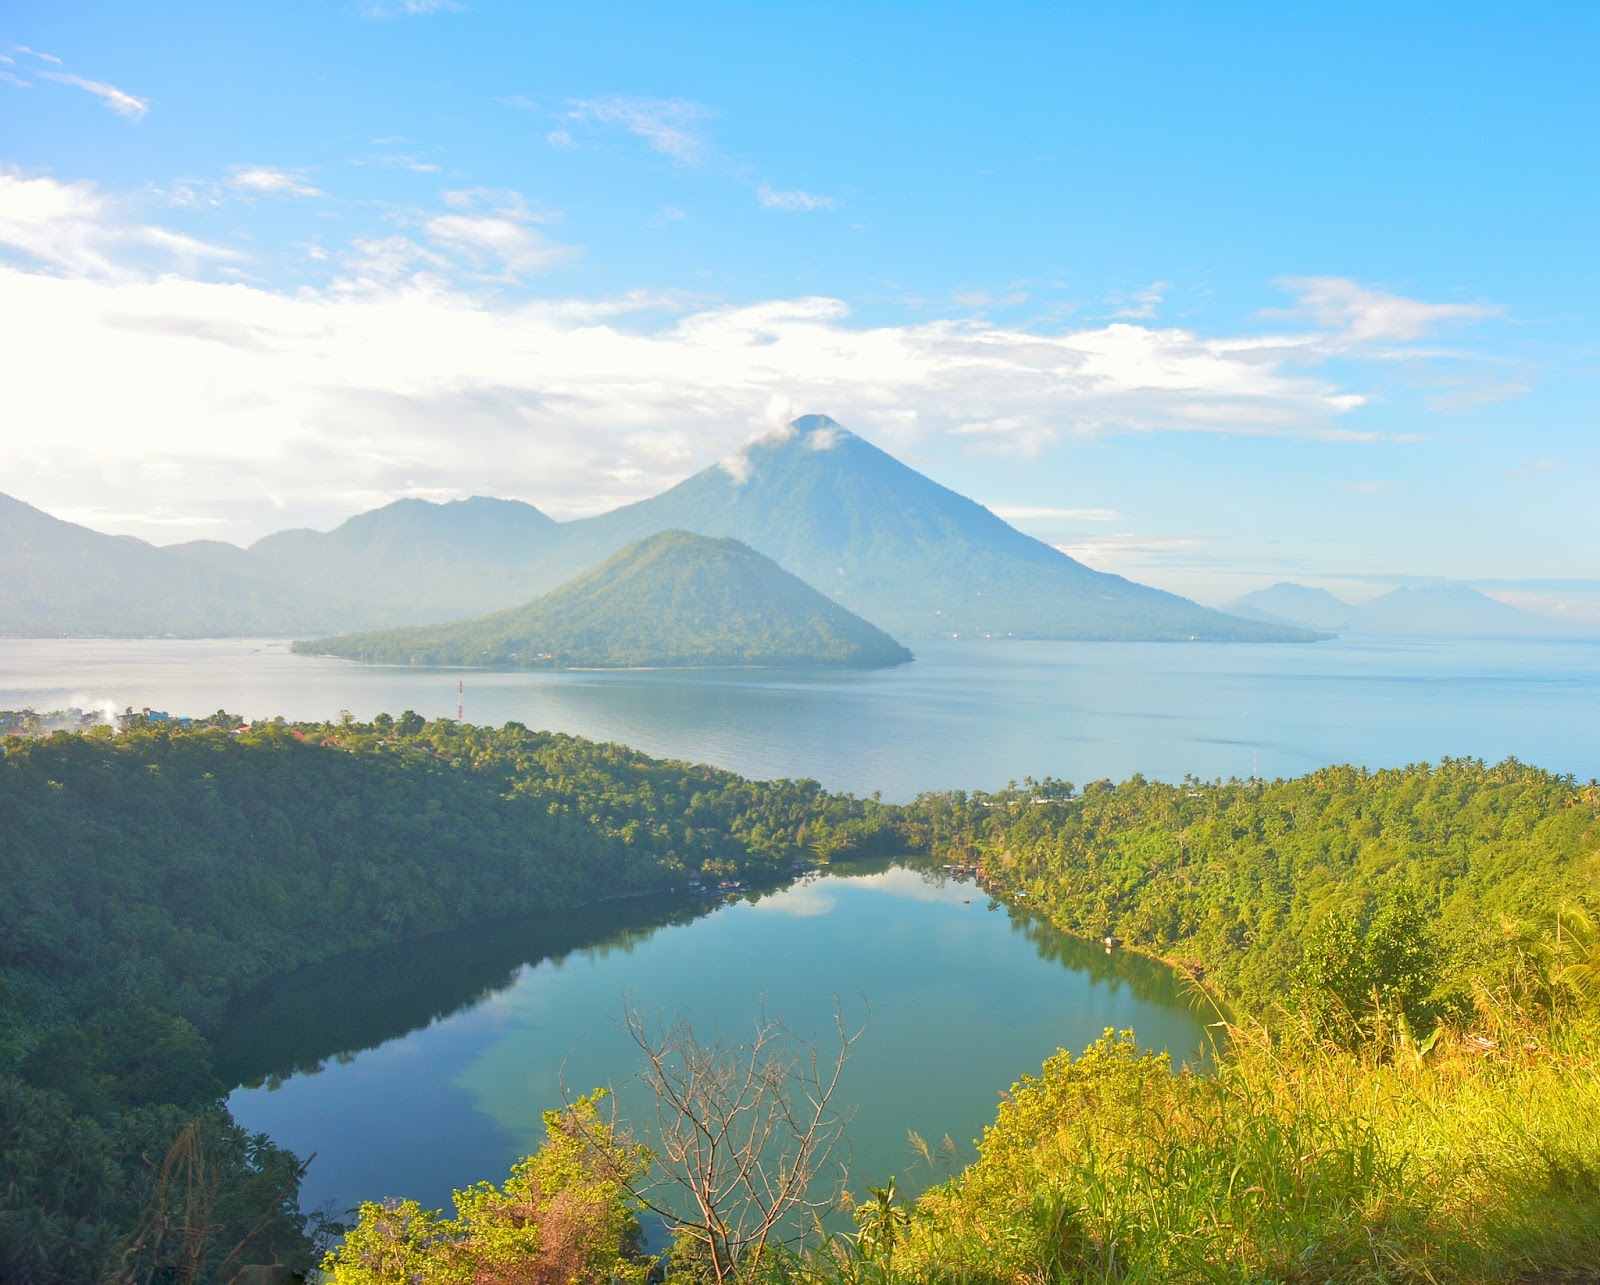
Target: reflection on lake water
x,y
413,1070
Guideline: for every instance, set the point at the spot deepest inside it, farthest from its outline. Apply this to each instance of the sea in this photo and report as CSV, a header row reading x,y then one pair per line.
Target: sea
x,y
966,714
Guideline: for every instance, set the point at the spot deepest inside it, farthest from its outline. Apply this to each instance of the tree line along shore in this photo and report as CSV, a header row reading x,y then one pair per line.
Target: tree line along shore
x,y
1403,967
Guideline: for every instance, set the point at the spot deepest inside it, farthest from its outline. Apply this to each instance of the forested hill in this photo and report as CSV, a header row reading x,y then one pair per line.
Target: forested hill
x,y
1238,877
148,877
670,600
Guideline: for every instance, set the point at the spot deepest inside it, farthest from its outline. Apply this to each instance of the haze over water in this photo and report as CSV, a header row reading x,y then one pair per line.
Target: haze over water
x,y
965,714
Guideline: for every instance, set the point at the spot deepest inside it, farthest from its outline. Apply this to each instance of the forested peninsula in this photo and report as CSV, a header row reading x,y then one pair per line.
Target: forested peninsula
x,y
1407,1084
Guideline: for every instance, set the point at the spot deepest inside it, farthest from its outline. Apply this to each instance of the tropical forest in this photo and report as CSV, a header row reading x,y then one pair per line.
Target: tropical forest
x,y
1399,972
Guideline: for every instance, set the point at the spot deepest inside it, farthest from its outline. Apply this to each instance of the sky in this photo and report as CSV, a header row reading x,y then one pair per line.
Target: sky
x,y
1209,295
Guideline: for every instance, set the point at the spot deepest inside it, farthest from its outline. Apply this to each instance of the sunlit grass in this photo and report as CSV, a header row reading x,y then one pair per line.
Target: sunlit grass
x,y
1294,1161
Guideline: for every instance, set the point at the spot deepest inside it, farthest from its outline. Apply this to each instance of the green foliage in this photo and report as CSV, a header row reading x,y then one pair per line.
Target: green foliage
x,y
1360,980
148,878
563,1217
1239,878
671,600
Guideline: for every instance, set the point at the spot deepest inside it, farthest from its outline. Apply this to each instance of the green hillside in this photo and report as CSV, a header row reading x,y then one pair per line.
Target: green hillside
x,y
671,600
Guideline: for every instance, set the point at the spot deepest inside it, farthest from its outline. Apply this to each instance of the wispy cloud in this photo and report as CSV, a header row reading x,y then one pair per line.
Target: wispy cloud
x,y
271,182
666,124
518,248
1353,313
495,230
773,199
1015,513
1538,468
35,53
409,8
983,299
1128,548
399,161
124,104
1140,304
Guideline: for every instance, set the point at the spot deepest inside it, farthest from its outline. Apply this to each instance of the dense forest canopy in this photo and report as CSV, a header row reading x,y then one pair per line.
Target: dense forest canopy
x,y
151,875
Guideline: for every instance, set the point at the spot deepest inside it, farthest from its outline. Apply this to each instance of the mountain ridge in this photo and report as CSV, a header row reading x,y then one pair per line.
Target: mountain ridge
x,y
908,554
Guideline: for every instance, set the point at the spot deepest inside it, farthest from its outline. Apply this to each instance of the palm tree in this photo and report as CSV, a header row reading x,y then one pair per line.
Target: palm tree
x,y
1577,951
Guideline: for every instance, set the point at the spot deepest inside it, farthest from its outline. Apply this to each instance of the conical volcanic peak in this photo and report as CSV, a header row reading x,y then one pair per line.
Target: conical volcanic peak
x,y
671,600
904,552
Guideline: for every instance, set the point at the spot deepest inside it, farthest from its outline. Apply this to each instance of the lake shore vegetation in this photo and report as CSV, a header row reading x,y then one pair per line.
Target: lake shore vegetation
x,y
1404,968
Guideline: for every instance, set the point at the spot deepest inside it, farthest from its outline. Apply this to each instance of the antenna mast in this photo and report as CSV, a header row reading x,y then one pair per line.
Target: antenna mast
x,y
461,700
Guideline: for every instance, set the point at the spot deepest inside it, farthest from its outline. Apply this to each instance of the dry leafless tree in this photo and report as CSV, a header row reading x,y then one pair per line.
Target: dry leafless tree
x,y
747,1135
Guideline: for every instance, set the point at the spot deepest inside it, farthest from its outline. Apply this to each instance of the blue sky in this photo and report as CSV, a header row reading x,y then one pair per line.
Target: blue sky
x,y
1209,295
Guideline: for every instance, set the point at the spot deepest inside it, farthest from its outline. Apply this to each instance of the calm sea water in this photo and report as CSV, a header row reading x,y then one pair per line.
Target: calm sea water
x,y
963,715
415,1070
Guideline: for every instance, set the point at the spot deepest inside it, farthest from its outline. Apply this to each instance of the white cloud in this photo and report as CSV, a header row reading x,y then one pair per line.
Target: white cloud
x,y
518,248
1354,313
772,199
1015,513
71,228
347,395
123,104
1127,548
491,229
35,53
271,182
667,124
410,8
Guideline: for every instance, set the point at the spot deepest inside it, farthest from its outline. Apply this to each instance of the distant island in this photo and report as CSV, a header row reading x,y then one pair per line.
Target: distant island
x,y
672,600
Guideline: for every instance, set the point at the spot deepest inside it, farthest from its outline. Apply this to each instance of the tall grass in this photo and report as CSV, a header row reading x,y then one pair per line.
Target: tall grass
x,y
1293,1161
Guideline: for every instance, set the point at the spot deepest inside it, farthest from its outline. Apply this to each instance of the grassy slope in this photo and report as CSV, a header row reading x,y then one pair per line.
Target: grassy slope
x,y
1473,1159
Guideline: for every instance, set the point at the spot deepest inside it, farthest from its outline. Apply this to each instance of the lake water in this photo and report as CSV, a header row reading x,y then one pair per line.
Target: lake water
x,y
965,714
417,1069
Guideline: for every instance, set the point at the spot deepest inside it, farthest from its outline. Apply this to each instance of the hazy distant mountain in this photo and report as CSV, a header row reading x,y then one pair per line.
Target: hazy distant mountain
x,y
1449,609
897,548
672,599
1297,604
58,578
1425,609
410,560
